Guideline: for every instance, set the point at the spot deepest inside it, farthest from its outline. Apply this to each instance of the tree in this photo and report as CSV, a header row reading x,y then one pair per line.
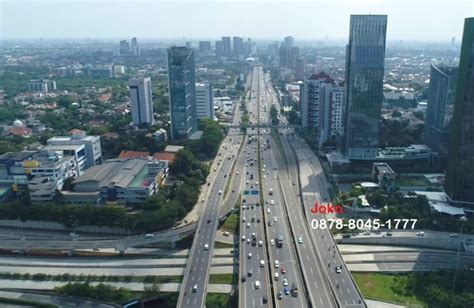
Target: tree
x,y
396,114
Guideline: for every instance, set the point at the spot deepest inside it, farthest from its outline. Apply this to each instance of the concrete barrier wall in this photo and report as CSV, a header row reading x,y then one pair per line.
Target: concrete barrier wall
x,y
404,241
49,225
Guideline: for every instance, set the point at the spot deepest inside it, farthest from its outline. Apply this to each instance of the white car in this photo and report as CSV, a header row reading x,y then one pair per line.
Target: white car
x,y
220,192
260,243
206,247
285,282
300,240
269,211
243,219
277,264
420,233
250,255
272,242
275,219
248,225
272,202
243,238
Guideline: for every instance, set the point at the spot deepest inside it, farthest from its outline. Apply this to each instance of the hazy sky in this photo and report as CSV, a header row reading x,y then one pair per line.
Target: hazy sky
x,y
428,20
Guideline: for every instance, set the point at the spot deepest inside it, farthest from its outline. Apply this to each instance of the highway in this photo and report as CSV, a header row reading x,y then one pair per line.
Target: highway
x,y
254,284
314,187
193,289
276,221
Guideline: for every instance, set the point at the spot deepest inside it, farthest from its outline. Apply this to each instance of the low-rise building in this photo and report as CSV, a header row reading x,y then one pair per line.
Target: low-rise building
x,y
125,181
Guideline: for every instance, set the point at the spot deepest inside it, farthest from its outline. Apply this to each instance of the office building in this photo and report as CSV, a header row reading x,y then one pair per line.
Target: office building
x,y
365,55
219,48
322,107
124,48
460,171
134,48
86,149
204,101
441,95
100,71
182,92
204,46
141,101
238,46
226,46
42,85
118,70
299,69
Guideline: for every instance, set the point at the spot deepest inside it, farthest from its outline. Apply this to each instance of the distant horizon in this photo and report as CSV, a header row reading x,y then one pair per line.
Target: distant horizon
x,y
192,20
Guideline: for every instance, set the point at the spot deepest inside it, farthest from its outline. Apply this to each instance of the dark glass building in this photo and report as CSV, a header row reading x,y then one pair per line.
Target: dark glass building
x,y
182,89
365,55
440,109
460,172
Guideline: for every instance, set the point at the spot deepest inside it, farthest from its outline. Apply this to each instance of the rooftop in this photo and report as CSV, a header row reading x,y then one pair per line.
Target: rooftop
x,y
173,148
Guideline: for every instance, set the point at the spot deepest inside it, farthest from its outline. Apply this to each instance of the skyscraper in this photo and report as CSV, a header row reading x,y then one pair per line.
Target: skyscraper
x,y
124,48
204,101
134,48
299,69
141,101
238,46
365,55
219,48
182,89
460,171
440,109
226,46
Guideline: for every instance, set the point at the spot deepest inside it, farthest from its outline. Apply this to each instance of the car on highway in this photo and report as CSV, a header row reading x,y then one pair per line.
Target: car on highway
x,y
280,295
453,235
367,232
389,233
206,246
275,219
243,219
270,223
272,202
243,238
262,263
264,300
283,270
220,192
338,269
300,240
195,288
250,273
294,289
285,282
420,233
269,211
277,276
248,225
248,241
149,235
277,264
244,278
272,242
226,233
249,255
260,243
208,221
257,284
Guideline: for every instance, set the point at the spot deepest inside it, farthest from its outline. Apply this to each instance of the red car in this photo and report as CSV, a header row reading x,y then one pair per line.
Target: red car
x,y
282,270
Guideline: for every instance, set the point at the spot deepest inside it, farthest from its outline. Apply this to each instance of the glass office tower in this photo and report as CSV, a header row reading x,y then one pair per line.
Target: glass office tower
x,y
460,172
182,92
365,55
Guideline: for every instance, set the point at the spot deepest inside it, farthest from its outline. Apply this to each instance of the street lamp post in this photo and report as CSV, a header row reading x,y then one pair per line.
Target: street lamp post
x,y
463,219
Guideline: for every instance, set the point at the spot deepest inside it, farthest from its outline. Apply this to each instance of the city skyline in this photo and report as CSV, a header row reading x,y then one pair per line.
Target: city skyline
x,y
303,20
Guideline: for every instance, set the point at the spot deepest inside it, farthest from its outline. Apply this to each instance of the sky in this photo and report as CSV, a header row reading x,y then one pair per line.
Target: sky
x,y
410,20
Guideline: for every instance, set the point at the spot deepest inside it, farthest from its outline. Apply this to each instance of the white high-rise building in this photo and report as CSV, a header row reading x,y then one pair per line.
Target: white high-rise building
x,y
141,101
204,101
322,106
